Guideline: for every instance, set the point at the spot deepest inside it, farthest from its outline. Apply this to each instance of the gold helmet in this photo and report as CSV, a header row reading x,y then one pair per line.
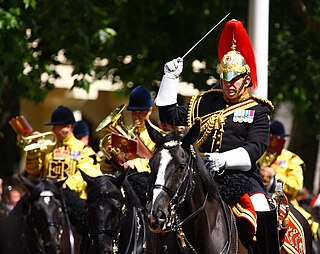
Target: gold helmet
x,y
235,53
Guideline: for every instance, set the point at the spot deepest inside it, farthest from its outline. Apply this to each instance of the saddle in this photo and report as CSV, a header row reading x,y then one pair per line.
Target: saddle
x,y
290,231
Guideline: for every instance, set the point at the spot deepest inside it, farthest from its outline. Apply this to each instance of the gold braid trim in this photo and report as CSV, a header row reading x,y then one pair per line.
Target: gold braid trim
x,y
265,101
194,103
213,121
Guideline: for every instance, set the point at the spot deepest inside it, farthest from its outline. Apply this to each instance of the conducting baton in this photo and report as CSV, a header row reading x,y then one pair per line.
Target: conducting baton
x,y
205,36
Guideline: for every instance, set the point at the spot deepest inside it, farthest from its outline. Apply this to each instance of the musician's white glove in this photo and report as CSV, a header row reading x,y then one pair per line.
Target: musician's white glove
x,y
173,68
235,159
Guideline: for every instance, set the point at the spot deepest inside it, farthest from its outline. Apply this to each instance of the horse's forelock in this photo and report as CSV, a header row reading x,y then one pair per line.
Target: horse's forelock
x,y
173,135
44,185
101,185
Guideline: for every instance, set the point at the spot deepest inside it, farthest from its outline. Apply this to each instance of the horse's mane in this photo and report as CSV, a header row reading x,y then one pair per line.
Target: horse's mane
x,y
102,184
132,199
207,179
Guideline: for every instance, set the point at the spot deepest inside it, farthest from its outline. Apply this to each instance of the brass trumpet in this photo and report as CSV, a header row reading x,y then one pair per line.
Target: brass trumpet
x,y
43,141
114,123
28,141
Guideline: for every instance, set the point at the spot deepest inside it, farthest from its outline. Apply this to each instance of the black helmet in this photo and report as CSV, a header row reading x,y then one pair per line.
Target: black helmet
x,y
277,129
61,115
140,99
80,129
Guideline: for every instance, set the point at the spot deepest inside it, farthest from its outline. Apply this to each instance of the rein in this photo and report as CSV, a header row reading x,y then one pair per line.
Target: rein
x,y
29,220
174,224
71,237
137,224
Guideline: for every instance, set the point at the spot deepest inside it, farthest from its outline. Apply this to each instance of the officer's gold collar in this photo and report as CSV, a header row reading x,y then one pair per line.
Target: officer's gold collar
x,y
245,96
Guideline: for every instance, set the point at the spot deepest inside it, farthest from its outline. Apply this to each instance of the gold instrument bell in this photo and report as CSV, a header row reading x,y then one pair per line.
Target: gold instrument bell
x,y
114,124
31,142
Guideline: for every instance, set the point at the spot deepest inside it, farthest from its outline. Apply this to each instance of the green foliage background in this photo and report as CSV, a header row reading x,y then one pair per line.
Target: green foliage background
x,y
34,32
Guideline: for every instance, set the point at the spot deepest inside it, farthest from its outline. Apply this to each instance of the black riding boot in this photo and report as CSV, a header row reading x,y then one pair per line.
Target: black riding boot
x,y
267,233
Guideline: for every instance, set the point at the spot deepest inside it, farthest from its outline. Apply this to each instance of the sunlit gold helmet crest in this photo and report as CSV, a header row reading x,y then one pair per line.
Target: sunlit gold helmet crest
x,y
232,65
235,53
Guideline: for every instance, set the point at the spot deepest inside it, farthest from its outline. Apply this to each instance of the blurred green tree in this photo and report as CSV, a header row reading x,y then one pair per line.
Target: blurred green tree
x,y
138,37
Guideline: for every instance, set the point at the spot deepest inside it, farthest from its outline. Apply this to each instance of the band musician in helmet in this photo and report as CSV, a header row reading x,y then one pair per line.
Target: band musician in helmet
x,y
140,107
234,131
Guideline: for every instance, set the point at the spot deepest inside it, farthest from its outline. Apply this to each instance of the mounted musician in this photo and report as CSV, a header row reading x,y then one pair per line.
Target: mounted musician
x,y
65,157
129,147
234,131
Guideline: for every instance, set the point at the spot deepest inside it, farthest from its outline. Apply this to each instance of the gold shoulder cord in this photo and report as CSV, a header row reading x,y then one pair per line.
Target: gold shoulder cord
x,y
214,120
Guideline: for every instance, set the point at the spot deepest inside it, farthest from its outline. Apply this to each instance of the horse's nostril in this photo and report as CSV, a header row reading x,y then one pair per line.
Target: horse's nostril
x,y
161,215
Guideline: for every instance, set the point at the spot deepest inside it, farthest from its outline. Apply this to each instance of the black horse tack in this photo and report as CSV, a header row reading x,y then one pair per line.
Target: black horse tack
x,y
185,200
40,223
116,217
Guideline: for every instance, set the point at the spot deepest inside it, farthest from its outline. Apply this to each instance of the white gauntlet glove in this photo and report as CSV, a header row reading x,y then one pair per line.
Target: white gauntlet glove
x,y
167,94
235,159
214,162
173,68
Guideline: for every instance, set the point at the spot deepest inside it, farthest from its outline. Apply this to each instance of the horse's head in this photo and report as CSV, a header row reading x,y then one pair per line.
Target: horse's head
x,y
45,213
104,202
171,178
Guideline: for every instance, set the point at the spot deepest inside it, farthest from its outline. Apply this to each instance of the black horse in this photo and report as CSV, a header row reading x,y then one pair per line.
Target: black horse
x,y
39,223
185,200
116,216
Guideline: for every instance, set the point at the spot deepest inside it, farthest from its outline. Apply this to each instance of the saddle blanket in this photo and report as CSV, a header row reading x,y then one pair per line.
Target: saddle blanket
x,y
292,241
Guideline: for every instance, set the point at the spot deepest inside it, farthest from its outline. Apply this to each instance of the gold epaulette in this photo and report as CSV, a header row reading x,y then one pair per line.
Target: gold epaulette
x,y
265,101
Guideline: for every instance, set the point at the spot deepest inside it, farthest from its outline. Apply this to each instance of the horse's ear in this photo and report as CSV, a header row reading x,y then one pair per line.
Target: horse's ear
x,y
154,134
192,134
89,180
119,177
59,184
26,182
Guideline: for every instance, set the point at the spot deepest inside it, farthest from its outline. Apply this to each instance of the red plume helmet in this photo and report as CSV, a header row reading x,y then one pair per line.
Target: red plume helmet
x,y
235,52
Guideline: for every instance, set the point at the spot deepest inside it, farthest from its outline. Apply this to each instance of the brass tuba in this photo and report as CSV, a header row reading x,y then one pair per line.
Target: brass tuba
x,y
31,142
114,123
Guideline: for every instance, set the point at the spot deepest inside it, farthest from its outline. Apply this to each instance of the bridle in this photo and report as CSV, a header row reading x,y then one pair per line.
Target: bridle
x,y
38,231
178,197
115,233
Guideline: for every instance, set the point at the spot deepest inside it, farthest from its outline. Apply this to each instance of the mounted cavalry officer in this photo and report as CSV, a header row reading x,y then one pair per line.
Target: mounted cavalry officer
x,y
234,132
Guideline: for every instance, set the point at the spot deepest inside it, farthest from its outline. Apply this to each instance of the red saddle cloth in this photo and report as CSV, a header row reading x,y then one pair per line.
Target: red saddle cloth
x,y
294,239
291,237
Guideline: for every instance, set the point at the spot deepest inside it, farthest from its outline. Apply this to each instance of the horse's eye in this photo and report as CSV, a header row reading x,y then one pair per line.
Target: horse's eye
x,y
180,168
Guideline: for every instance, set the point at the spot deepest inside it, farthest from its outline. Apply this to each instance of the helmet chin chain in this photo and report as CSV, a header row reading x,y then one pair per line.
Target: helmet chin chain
x,y
240,88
